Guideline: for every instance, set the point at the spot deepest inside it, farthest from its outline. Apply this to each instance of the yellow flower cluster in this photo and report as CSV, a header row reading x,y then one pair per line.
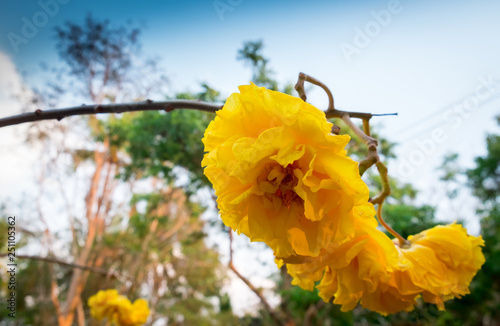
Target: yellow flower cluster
x,y
118,309
283,178
437,265
280,176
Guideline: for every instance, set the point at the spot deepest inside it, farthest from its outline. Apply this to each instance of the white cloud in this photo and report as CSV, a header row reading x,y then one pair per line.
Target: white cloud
x,y
11,84
16,159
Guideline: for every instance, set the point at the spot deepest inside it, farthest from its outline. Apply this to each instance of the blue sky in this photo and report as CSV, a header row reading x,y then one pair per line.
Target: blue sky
x,y
418,58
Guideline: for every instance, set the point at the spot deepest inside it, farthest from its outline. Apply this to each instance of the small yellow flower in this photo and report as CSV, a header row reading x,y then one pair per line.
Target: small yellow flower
x,y
102,304
137,314
118,309
444,260
280,176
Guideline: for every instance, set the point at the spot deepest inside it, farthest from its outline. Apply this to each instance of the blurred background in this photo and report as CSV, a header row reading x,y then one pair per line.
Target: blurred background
x,y
125,193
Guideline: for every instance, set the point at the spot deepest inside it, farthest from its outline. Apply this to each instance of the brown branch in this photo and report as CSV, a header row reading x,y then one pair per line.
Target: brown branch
x,y
148,105
255,290
312,311
72,265
54,290
366,127
386,187
331,112
371,143
79,277
302,92
402,241
371,158
80,314
368,140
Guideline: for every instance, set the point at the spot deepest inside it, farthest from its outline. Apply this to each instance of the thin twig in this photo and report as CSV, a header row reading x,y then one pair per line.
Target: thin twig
x,y
366,127
301,89
255,290
402,241
368,140
371,158
386,187
60,262
331,112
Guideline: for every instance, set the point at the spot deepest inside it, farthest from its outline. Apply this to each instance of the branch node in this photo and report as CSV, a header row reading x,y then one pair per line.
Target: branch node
x,y
149,101
301,90
299,86
38,112
98,108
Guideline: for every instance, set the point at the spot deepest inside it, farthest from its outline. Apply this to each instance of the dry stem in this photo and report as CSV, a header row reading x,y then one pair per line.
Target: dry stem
x,y
63,263
371,143
255,290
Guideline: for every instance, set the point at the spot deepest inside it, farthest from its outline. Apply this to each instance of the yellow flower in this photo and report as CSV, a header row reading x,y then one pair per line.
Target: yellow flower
x,y
444,260
280,176
136,315
349,270
398,293
102,305
118,309
437,265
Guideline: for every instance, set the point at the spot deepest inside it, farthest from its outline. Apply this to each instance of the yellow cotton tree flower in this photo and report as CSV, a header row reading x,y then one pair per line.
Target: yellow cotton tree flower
x,y
118,309
280,175
102,305
444,260
349,270
137,314
437,265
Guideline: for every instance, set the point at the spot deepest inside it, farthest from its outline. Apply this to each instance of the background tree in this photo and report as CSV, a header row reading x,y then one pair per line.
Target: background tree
x,y
140,232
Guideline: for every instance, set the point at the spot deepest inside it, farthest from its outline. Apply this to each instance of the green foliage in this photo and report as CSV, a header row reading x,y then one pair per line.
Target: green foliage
x,y
252,54
485,177
483,304
409,219
159,142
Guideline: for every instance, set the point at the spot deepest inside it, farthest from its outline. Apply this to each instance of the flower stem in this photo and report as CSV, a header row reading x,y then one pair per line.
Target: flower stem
x,y
402,241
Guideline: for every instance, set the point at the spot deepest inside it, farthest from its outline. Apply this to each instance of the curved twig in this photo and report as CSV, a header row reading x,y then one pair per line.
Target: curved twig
x,y
255,290
372,157
331,111
302,93
402,241
60,262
